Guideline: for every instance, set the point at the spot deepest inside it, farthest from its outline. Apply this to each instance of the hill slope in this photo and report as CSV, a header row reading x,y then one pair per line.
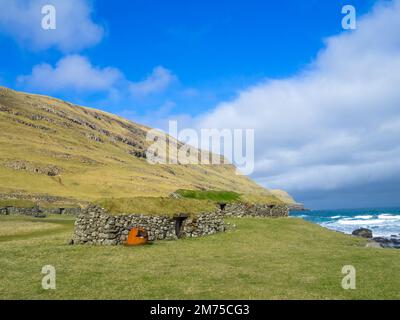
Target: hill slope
x,y
51,147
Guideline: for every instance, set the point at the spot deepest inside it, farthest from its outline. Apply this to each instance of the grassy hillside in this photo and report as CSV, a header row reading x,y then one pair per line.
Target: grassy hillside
x,y
283,196
261,259
48,146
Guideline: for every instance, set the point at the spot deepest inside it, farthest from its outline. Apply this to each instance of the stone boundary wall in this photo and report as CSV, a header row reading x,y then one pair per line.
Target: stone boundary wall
x,y
38,212
32,212
254,210
67,211
96,226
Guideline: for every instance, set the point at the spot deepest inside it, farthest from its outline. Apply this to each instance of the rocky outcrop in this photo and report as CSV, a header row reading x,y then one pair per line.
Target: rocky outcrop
x,y
96,226
49,170
362,232
238,209
392,242
378,242
297,207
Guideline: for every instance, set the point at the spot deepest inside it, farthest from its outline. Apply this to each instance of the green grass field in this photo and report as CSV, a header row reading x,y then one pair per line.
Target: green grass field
x,y
261,259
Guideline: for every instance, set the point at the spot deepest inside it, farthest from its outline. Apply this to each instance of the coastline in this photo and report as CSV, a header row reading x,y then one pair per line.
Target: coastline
x,y
380,225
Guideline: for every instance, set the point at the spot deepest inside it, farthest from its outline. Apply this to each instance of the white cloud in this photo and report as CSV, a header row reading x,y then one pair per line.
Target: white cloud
x,y
75,30
73,72
158,81
335,125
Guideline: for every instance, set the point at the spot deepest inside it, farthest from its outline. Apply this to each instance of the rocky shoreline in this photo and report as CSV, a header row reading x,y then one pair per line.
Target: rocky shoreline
x,y
392,242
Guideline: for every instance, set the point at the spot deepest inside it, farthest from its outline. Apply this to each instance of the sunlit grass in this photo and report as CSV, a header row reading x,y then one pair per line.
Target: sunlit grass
x,y
261,259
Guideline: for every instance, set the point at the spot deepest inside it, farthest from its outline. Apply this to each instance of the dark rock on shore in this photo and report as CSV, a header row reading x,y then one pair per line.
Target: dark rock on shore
x,y
362,232
378,242
392,242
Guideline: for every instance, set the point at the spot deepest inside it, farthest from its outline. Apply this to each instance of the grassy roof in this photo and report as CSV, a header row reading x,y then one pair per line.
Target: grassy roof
x,y
213,195
19,203
229,196
190,202
156,206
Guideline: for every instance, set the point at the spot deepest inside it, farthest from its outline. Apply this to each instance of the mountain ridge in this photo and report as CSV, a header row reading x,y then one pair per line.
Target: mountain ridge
x,y
50,147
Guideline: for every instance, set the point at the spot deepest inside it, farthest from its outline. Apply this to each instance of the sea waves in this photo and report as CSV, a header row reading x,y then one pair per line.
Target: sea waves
x,y
382,222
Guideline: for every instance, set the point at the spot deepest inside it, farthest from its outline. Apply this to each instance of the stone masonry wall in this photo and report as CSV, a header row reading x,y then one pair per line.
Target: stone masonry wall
x,y
38,212
67,211
32,212
255,210
96,226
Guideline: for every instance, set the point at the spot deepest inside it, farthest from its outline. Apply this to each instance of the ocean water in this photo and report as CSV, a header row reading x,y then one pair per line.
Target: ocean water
x,y
384,222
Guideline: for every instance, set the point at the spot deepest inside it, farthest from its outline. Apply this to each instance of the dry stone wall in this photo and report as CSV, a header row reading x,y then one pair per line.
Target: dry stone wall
x,y
38,212
32,212
255,210
67,211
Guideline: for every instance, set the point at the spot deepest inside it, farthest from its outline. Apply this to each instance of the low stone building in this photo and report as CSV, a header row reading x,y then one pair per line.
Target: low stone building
x,y
96,226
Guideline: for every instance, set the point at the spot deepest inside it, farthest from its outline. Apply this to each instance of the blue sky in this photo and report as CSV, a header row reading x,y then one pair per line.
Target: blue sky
x,y
197,61
214,47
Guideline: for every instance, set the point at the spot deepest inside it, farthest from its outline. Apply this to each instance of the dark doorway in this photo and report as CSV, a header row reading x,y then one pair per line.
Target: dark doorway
x,y
179,220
